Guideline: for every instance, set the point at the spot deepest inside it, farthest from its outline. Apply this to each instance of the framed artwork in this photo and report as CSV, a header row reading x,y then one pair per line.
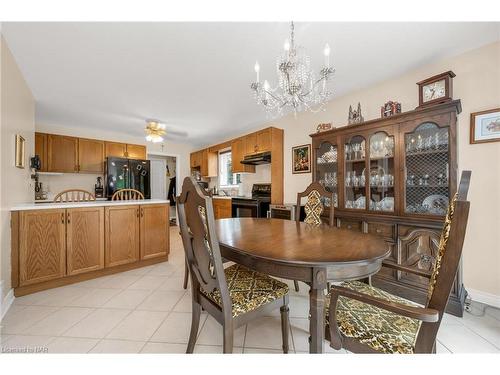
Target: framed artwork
x,y
20,141
301,159
485,126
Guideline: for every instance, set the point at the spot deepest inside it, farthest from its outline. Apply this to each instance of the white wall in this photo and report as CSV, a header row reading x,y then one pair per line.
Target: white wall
x,y
87,181
17,117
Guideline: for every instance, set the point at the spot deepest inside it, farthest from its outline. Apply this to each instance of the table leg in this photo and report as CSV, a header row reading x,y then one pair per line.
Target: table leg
x,y
316,323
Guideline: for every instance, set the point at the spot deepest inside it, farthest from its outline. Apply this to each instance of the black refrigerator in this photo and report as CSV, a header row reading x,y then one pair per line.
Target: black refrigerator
x,y
128,174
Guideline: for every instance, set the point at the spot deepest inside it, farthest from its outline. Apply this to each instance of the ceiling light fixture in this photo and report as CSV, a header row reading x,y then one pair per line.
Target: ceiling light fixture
x,y
154,131
298,88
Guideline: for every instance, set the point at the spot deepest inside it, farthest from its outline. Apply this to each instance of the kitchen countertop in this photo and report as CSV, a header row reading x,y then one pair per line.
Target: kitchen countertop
x,y
221,197
48,206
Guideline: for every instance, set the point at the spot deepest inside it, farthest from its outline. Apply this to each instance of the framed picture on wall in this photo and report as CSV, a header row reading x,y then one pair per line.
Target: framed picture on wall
x,y
485,126
301,159
20,151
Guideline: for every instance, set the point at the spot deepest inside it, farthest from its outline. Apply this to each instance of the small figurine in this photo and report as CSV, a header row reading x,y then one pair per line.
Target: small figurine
x,y
323,127
390,108
355,117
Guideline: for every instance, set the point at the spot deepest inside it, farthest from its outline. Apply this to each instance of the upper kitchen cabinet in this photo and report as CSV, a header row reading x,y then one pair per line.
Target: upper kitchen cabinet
x,y
260,141
115,149
62,153
136,152
237,155
205,162
124,150
41,149
90,156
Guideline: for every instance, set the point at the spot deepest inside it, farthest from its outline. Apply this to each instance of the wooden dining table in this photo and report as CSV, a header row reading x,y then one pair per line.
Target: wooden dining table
x,y
297,251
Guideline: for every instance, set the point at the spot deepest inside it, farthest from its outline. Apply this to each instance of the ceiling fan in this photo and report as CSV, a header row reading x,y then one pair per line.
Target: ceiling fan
x,y
156,131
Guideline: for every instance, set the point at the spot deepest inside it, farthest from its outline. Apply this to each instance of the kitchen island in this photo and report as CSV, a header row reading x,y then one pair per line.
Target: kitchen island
x,y
55,244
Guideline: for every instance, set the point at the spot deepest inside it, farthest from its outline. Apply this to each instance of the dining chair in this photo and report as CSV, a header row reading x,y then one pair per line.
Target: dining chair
x,y
234,295
365,319
74,195
314,208
127,195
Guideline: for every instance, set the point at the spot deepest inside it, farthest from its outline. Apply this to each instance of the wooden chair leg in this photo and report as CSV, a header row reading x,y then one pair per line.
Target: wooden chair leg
x,y
195,324
284,310
228,338
186,275
296,285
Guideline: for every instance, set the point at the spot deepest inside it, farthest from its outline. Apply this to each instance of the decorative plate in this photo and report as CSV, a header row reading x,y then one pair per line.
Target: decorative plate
x,y
437,204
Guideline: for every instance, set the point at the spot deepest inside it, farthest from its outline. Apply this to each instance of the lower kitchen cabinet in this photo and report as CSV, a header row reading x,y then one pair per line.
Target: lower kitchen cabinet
x,y
42,246
122,235
84,239
55,247
222,208
154,231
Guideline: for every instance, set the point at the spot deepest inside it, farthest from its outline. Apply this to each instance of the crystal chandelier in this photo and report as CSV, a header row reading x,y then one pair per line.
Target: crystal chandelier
x,y
298,88
154,131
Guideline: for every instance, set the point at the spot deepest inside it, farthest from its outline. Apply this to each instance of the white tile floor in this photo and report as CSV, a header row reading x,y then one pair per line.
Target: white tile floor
x,y
146,310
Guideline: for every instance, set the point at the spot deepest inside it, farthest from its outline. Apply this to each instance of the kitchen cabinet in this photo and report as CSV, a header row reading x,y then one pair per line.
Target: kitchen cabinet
x,y
205,162
260,141
84,239
237,155
90,156
42,246
52,247
154,231
41,149
136,152
122,235
115,149
62,153
222,208
251,144
263,140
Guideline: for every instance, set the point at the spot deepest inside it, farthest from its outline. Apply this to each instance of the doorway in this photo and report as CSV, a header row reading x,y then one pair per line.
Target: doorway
x,y
164,171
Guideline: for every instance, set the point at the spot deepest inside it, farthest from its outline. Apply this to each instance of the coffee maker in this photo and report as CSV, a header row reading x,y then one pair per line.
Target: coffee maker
x,y
98,188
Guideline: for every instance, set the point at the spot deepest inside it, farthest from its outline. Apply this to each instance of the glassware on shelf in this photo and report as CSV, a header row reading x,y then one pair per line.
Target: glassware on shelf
x,y
427,169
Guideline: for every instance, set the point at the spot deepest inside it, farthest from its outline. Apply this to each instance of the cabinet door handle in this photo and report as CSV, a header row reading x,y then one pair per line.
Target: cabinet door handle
x,y
69,218
62,218
137,212
142,212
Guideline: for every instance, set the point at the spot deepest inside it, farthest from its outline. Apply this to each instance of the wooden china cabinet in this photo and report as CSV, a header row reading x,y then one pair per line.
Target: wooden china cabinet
x,y
394,177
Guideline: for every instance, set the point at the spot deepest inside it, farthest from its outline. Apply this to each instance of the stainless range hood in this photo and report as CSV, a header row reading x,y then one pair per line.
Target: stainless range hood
x,y
256,159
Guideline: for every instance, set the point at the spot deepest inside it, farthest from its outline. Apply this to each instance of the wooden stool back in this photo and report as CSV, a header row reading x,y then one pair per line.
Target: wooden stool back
x,y
127,195
74,195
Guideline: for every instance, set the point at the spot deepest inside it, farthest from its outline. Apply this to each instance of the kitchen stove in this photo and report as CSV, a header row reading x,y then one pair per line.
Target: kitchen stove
x,y
255,206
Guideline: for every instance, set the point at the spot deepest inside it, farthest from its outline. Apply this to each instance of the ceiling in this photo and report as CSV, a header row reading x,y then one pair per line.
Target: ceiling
x,y
195,76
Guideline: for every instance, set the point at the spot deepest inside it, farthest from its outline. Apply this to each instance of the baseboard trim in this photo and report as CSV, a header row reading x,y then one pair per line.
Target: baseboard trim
x,y
6,303
484,297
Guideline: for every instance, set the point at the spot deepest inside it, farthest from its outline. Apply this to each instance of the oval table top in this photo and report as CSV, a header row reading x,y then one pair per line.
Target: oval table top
x,y
289,242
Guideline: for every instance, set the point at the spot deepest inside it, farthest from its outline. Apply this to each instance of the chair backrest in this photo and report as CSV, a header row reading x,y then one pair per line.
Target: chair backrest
x,y
74,195
448,258
127,195
314,208
201,245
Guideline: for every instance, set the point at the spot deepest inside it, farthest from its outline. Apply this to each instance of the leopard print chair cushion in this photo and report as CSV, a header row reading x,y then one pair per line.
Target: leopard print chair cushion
x,y
248,289
313,208
382,330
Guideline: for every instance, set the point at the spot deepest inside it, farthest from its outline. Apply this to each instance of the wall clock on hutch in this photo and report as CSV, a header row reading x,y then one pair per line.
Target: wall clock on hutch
x,y
436,89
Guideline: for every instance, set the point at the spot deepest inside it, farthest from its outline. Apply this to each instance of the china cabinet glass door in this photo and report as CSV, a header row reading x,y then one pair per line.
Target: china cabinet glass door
x,y
327,170
355,173
427,170
381,174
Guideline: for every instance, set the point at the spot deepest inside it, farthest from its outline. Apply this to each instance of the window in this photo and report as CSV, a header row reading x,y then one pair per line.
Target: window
x,y
226,176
